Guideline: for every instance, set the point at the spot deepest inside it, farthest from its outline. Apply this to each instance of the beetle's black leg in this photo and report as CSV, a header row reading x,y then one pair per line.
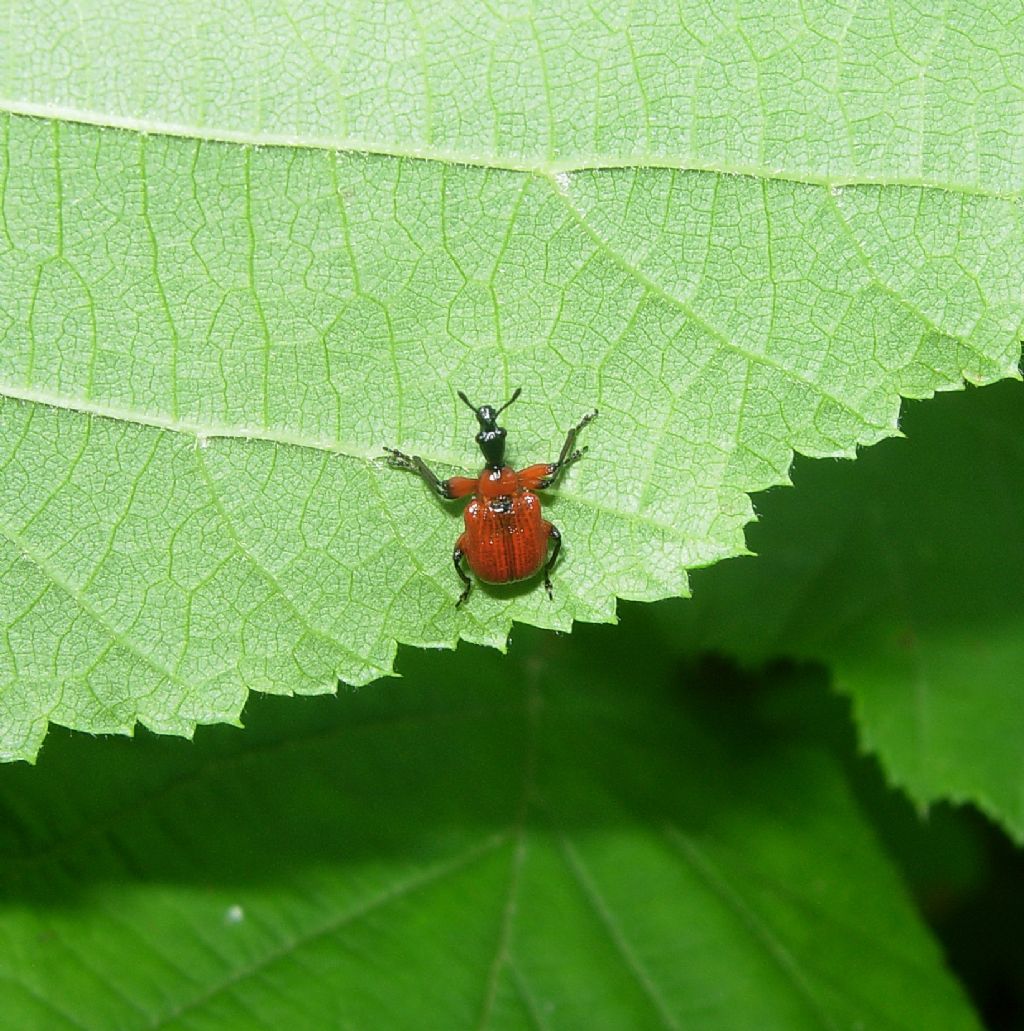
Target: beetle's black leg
x,y
557,538
568,455
415,464
457,559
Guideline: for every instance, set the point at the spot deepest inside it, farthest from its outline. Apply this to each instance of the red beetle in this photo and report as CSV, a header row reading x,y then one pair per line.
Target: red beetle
x,y
506,538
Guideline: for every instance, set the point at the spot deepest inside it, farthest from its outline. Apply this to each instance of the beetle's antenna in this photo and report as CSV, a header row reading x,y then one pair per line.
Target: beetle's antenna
x,y
467,400
518,391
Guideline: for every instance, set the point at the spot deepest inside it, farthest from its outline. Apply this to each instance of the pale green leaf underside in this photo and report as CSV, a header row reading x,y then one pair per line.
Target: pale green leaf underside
x,y
204,345
821,90
433,855
257,324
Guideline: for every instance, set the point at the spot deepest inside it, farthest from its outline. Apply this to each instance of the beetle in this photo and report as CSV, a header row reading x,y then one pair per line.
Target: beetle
x,y
505,538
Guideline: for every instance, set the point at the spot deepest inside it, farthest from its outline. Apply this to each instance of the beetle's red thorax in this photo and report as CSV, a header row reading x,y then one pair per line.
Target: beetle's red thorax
x,y
494,483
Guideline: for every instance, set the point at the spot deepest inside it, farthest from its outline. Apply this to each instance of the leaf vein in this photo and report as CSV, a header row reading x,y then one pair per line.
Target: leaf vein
x,y
269,577
776,950
615,934
403,889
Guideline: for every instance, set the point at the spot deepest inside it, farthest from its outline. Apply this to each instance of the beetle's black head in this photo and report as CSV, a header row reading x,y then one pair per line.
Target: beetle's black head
x,y
491,437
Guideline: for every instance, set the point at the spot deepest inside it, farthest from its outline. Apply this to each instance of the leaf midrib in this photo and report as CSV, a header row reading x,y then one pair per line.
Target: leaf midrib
x,y
203,433
546,168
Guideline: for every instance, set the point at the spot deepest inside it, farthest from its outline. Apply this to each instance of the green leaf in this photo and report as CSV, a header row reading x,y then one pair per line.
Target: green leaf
x,y
903,573
814,91
573,838
204,346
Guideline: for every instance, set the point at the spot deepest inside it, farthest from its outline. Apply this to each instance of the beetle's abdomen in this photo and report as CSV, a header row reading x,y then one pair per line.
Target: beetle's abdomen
x,y
505,537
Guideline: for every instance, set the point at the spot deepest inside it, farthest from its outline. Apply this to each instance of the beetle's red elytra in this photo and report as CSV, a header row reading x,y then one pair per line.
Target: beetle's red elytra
x,y
506,537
